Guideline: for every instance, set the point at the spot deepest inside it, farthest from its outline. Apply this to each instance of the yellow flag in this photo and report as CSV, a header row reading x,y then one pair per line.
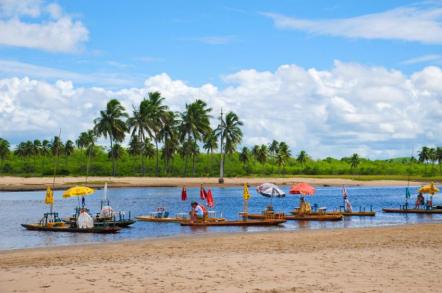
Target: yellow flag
x,y
49,199
245,193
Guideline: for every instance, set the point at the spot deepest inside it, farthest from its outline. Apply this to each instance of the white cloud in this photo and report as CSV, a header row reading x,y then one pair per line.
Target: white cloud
x,y
33,24
374,111
415,24
430,58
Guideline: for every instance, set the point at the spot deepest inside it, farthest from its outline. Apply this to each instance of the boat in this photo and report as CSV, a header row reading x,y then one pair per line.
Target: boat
x,y
412,211
68,228
344,213
297,217
427,207
265,222
51,222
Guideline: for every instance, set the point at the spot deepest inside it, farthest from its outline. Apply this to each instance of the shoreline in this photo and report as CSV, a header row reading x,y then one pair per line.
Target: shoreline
x,y
11,183
330,260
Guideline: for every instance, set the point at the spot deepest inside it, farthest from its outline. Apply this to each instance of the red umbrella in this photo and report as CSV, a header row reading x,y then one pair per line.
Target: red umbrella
x,y
203,193
302,188
184,194
209,198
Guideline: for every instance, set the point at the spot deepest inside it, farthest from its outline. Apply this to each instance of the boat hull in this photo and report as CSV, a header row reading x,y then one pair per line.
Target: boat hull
x,y
68,228
346,214
325,217
271,222
121,224
413,211
172,220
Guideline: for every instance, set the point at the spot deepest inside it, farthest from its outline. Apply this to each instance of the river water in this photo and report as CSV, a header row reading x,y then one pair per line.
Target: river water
x,y
28,207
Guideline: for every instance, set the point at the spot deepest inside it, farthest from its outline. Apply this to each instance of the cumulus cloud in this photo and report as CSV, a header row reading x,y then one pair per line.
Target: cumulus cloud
x,y
415,24
375,111
34,24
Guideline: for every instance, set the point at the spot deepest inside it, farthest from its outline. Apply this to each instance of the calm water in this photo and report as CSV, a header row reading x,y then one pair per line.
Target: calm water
x,y
27,207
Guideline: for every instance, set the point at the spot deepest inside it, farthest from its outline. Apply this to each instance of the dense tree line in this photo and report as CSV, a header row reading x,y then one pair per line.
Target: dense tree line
x,y
162,142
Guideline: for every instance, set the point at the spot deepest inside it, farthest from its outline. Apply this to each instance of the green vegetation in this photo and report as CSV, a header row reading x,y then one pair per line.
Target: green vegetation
x,y
167,143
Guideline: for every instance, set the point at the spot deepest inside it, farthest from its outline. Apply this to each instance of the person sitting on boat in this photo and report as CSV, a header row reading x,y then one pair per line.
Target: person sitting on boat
x,y
269,209
198,212
420,200
304,207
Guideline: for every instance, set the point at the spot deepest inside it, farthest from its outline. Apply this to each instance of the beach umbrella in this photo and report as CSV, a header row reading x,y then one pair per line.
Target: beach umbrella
x,y
184,193
429,188
49,198
209,197
270,190
78,191
245,192
302,189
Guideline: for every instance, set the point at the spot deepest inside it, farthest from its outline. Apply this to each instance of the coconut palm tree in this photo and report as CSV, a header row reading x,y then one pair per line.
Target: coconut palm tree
x,y
283,154
195,125
110,124
68,150
244,156
4,149
432,157
210,144
169,135
273,150
255,152
302,158
153,112
263,153
424,156
138,128
56,146
354,161
230,135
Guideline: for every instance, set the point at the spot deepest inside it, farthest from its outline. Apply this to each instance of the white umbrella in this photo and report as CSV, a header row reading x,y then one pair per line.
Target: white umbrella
x,y
270,190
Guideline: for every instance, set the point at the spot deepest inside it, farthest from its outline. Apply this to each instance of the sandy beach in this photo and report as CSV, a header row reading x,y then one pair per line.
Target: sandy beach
x,y
9,183
388,259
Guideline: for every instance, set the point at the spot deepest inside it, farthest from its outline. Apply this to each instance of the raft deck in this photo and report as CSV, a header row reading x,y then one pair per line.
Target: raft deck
x,y
413,211
309,217
69,228
172,220
267,222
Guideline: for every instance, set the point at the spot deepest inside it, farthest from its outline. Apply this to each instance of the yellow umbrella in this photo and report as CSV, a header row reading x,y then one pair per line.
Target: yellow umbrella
x,y
78,191
429,188
49,198
245,193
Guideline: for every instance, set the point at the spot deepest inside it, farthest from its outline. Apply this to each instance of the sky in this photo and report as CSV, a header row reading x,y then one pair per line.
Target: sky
x,y
329,77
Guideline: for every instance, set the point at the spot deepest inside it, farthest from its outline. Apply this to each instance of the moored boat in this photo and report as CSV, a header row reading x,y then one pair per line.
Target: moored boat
x,y
412,211
297,217
63,227
266,222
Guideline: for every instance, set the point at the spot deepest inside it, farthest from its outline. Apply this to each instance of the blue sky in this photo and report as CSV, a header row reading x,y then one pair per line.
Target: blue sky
x,y
199,41
359,65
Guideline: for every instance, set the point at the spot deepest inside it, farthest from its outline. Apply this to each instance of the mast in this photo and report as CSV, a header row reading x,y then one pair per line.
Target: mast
x,y
221,165
55,167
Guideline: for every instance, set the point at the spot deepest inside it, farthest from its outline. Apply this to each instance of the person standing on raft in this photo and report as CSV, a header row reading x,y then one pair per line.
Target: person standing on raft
x,y
198,212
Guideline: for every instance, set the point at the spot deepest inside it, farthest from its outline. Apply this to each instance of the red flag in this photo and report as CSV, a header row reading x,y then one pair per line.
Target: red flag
x,y
184,194
209,198
203,193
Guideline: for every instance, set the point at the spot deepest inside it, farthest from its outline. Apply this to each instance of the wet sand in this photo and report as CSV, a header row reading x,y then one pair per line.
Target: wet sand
x,y
388,259
8,183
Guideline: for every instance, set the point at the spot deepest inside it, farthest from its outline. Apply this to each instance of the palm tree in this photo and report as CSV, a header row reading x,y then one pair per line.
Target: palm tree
x,y
244,156
432,156
195,125
169,135
228,131
194,151
4,149
210,144
153,112
439,157
110,124
56,146
273,150
138,127
283,154
68,150
148,149
354,160
37,147
302,158
263,154
117,151
255,152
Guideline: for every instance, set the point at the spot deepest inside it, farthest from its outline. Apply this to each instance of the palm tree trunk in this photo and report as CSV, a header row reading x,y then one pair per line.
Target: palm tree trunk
x,y
157,164
113,156
193,164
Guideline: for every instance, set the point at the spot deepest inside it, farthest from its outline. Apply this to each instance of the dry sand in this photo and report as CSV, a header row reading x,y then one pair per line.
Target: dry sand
x,y
39,183
388,259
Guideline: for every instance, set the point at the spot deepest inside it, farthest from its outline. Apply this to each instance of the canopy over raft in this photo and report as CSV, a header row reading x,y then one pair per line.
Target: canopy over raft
x,y
270,190
429,188
78,191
